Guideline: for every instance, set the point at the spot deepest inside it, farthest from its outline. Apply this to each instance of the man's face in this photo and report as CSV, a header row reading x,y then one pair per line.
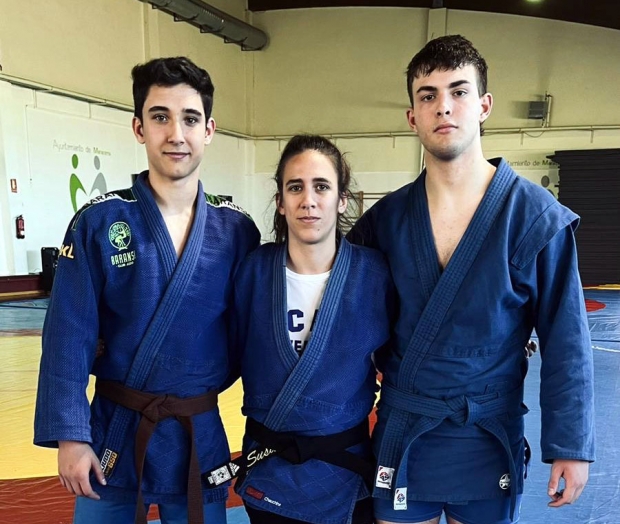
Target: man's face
x,y
447,112
174,130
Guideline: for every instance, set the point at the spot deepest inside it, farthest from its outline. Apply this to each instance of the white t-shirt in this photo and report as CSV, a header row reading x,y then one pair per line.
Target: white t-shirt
x,y
303,297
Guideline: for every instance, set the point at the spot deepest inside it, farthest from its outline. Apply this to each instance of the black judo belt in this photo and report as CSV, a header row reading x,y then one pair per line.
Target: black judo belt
x,y
296,449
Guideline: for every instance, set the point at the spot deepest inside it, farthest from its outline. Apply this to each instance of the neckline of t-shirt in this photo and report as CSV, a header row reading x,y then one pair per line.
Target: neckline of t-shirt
x,y
298,276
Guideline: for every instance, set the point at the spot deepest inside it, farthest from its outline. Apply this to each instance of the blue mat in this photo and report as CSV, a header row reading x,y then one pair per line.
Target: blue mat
x,y
604,323
20,315
237,516
17,319
233,516
40,303
598,503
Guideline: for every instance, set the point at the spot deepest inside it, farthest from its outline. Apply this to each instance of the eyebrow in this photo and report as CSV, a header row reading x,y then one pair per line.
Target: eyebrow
x,y
452,85
164,109
314,180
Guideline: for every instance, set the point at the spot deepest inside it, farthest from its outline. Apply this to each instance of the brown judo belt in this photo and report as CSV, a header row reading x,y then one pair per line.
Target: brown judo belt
x,y
154,409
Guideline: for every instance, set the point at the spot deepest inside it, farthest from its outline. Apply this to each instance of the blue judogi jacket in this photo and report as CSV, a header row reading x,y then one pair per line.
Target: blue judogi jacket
x,y
450,417
327,390
164,323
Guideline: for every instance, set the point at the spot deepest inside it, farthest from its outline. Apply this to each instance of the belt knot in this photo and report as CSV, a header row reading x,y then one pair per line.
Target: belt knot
x,y
466,412
158,409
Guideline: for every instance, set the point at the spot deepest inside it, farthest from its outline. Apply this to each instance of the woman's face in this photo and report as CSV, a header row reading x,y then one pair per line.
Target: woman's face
x,y
310,201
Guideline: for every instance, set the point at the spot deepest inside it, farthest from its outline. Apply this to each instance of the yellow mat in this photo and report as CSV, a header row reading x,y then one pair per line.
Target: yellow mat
x,y
19,458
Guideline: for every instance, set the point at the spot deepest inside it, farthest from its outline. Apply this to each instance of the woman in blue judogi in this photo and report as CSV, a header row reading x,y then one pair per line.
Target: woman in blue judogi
x,y
311,311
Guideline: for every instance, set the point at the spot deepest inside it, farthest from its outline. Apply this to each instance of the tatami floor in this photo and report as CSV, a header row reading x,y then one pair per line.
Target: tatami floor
x,y
30,494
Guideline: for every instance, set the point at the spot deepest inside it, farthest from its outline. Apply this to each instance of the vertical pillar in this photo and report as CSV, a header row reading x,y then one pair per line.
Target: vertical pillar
x,y
437,23
150,20
7,258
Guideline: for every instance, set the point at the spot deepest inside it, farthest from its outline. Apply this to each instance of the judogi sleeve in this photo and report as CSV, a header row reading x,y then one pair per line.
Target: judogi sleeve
x,y
382,354
566,394
235,316
70,334
238,318
364,231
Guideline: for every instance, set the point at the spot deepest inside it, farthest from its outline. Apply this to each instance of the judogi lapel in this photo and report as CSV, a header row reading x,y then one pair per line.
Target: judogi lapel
x,y
179,275
304,367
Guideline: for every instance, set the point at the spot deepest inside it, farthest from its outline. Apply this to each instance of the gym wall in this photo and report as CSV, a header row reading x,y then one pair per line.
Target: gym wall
x,y
334,71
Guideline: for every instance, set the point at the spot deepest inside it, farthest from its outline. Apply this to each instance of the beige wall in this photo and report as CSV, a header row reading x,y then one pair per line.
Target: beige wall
x,y
90,47
341,70
334,70
577,64
234,8
226,64
81,46
330,71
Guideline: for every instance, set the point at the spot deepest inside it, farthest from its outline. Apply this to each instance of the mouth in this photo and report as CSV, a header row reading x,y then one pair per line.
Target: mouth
x,y
176,155
444,128
308,220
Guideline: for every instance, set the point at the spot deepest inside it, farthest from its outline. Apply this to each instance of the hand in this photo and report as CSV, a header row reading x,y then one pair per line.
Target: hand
x,y
75,460
575,473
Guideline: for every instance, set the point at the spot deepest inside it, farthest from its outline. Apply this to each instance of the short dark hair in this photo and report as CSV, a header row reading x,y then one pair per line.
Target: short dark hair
x,y
169,72
297,145
446,53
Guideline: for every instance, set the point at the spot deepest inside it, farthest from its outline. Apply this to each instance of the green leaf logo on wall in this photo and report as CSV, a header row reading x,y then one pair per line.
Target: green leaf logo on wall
x,y
75,184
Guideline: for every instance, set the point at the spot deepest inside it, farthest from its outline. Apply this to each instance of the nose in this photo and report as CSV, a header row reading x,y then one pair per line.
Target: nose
x,y
443,105
176,135
308,201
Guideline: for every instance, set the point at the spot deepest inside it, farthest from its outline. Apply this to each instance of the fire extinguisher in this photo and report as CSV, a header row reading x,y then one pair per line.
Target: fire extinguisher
x,y
20,228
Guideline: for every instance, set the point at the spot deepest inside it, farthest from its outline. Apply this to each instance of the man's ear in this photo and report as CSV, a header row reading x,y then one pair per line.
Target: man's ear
x,y
138,129
411,120
209,131
486,104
